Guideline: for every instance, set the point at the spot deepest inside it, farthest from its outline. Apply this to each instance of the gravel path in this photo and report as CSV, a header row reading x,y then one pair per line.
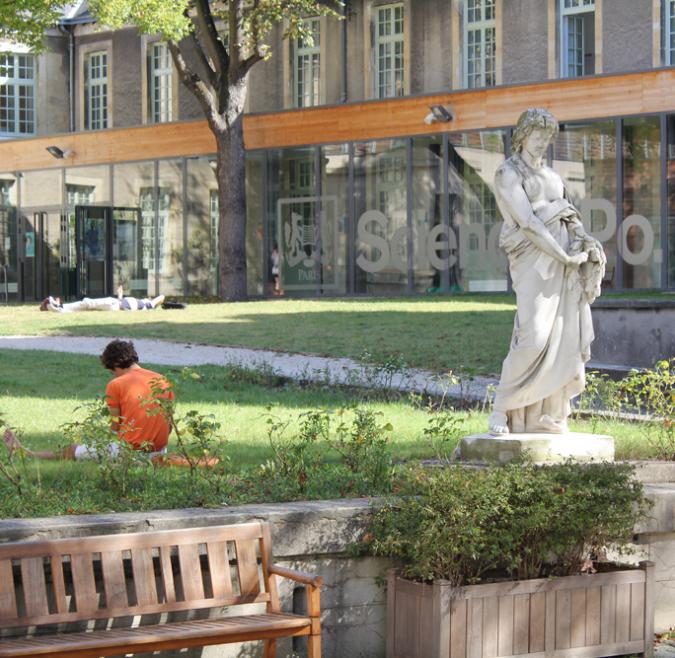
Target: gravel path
x,y
294,366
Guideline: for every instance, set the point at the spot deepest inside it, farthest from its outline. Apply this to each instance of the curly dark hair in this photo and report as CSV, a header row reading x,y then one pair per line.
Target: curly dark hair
x,y
119,354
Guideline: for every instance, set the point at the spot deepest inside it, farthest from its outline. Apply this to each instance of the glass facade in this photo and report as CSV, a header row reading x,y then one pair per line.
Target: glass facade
x,y
398,216
584,154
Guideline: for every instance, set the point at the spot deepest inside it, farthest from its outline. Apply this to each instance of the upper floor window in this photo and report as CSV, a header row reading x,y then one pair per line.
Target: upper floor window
x,y
577,42
479,43
307,66
389,50
17,94
669,32
96,91
161,83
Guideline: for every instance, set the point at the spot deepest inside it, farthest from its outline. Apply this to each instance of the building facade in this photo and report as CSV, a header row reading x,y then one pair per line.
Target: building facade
x,y
371,150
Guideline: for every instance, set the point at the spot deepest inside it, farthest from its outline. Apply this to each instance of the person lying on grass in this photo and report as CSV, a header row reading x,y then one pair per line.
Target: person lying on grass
x,y
119,303
129,395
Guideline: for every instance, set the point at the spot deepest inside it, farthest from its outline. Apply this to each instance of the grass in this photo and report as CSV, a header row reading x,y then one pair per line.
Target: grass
x,y
39,392
464,332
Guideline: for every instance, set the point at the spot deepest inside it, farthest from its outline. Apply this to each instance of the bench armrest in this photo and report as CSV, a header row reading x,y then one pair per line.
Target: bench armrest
x,y
298,576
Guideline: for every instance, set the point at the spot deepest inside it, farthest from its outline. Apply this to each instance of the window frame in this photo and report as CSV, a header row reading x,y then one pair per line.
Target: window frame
x,y
99,83
482,26
314,54
668,32
161,100
394,38
584,8
14,83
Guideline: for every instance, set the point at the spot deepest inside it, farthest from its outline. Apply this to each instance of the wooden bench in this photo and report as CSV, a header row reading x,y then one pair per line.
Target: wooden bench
x,y
93,583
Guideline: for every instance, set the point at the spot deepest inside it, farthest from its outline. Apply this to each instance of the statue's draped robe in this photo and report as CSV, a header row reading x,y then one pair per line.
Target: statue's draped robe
x,y
553,331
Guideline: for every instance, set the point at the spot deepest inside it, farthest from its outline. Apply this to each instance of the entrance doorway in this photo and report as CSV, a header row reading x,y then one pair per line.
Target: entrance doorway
x,y
93,243
39,240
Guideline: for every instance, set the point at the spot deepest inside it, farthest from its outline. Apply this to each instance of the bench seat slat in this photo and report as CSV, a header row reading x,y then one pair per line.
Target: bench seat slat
x,y
154,638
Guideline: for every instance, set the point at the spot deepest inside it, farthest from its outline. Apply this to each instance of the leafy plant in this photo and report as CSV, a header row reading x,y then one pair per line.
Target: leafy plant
x,y
364,446
517,521
443,431
652,392
116,468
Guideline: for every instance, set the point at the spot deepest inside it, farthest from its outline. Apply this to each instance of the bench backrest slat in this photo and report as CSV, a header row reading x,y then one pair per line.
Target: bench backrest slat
x,y
7,592
247,559
219,567
193,586
84,583
167,574
114,582
124,575
34,586
144,576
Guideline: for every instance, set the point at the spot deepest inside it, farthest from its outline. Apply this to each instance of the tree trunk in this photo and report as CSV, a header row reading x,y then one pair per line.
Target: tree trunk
x,y
231,173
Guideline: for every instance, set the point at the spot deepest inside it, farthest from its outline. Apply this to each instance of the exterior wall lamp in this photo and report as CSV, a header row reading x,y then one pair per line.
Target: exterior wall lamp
x,y
58,153
440,114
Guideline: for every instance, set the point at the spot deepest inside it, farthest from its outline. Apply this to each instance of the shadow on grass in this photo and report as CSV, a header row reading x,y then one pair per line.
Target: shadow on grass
x,y
476,339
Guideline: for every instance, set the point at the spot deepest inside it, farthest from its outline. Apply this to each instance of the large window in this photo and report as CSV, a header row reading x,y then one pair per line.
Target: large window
x,y
96,91
577,42
389,50
17,94
161,83
307,66
639,239
584,154
479,43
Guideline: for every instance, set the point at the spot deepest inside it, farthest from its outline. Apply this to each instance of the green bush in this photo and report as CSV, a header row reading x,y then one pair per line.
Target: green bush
x,y
514,522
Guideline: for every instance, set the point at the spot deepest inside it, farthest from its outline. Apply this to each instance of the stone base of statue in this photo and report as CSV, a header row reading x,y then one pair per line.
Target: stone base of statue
x,y
537,448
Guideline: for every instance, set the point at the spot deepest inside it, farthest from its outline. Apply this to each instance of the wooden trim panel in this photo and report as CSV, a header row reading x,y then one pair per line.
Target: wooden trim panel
x,y
568,100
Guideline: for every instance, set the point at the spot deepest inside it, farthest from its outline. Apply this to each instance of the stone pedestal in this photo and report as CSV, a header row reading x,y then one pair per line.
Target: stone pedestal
x,y
539,448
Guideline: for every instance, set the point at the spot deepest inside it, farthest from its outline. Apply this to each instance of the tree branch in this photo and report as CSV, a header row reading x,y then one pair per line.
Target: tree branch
x,y
203,59
211,39
194,83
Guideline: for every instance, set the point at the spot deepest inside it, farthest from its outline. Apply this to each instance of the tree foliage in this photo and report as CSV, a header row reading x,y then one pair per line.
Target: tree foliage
x,y
25,21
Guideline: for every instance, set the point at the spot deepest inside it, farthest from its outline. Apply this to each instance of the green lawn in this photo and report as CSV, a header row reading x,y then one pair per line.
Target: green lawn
x,y
460,332
39,391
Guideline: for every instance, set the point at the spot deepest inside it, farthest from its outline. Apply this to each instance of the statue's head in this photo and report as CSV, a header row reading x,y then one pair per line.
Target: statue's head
x,y
530,120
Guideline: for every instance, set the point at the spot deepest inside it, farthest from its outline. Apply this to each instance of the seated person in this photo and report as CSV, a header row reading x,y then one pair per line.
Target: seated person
x,y
126,393
119,303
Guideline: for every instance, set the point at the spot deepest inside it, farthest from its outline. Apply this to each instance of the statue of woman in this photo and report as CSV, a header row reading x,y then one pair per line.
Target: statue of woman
x,y
556,269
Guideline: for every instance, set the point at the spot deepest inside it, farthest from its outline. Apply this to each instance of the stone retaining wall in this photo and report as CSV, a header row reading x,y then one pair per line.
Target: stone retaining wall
x,y
316,536
635,333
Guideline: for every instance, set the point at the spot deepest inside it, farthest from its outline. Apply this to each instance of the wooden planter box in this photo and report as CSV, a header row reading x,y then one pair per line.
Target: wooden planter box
x,y
605,614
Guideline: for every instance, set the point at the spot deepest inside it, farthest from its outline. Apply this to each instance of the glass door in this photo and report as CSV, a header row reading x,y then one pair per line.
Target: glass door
x,y
94,251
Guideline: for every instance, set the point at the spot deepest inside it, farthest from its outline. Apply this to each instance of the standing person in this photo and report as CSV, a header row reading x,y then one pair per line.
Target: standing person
x,y
129,396
275,261
119,303
556,269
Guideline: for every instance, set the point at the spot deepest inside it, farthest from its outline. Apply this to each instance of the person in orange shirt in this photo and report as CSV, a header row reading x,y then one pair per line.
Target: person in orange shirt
x,y
129,396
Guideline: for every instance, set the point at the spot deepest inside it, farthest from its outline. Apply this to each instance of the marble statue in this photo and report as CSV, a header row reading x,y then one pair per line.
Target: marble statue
x,y
556,269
